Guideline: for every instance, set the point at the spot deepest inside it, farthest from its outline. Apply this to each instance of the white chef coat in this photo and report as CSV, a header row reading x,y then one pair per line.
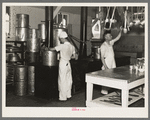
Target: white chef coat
x,y
108,53
65,76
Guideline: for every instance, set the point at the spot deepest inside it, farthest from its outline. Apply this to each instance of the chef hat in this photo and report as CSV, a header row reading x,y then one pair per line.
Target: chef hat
x,y
63,34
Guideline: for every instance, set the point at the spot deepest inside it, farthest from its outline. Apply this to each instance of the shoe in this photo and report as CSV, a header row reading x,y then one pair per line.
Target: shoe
x,y
69,98
62,100
104,92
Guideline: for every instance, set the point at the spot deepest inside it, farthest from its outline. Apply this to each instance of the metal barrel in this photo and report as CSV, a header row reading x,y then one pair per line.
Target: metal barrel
x,y
33,45
56,32
42,31
20,73
49,58
22,20
31,87
33,33
31,73
20,81
20,88
31,79
32,57
22,34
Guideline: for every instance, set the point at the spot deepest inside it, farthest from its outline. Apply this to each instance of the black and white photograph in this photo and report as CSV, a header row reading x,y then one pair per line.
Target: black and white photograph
x,y
75,60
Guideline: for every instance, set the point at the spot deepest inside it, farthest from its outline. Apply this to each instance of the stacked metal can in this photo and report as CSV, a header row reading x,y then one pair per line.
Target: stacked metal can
x,y
33,47
20,81
22,27
32,57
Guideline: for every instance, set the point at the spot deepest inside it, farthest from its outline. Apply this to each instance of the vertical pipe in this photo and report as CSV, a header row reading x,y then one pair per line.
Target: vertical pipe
x,y
83,32
49,25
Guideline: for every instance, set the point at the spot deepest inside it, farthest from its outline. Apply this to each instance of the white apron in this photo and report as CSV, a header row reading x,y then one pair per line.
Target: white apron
x,y
109,58
110,62
64,80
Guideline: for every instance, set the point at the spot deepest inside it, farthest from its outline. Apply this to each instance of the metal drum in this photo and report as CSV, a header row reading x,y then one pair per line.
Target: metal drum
x,y
20,73
31,88
33,33
32,57
56,32
22,34
49,57
31,80
33,45
96,53
22,20
42,31
20,81
20,88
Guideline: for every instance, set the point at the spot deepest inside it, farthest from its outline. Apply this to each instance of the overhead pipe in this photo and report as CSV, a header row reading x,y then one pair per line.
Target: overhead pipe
x,y
49,25
83,33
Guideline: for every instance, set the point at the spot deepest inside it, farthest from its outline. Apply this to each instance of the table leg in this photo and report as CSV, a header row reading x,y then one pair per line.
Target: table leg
x,y
124,98
89,93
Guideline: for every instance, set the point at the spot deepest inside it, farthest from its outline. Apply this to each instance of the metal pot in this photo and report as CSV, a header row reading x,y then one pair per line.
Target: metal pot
x,y
33,45
96,53
42,31
14,57
21,73
56,32
32,57
49,57
22,34
20,88
33,33
22,20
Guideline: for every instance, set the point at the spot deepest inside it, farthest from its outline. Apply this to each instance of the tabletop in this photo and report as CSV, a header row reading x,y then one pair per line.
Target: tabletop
x,y
120,73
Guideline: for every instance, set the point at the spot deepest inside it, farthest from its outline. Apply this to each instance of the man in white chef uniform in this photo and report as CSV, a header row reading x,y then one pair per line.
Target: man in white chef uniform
x,y
107,55
67,51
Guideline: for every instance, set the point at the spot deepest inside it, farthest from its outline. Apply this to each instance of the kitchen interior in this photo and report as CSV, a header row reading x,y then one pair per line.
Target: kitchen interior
x,y
32,70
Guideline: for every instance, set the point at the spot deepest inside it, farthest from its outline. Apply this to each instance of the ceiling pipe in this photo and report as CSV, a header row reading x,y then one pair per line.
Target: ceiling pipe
x,y
49,25
83,33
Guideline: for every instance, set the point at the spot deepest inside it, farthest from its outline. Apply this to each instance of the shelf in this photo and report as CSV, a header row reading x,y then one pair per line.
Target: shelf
x,y
98,102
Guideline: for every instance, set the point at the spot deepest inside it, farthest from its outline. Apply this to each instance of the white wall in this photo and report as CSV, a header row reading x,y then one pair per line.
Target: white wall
x,y
36,15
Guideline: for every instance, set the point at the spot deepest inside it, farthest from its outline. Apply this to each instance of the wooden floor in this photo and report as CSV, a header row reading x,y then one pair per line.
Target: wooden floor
x,y
77,100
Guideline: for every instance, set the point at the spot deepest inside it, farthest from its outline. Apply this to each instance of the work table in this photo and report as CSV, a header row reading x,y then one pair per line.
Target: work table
x,y
120,78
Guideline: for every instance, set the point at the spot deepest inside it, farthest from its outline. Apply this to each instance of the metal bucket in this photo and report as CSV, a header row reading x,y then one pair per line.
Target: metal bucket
x,y
22,34
31,88
31,74
32,57
49,58
42,31
56,32
33,33
22,20
33,45
20,88
96,53
21,73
